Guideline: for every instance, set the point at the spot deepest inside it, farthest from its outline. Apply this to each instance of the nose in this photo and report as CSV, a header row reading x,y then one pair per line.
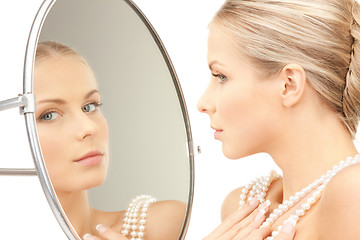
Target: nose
x,y
205,103
85,127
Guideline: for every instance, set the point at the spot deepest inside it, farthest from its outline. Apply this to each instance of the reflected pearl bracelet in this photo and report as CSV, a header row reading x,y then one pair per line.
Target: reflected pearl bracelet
x,y
135,217
259,187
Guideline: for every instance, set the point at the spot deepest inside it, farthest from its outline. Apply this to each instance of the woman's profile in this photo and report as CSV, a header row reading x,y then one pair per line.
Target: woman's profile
x,y
73,134
286,81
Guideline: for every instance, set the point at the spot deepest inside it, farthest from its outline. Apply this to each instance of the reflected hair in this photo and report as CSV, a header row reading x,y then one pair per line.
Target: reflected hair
x,y
55,49
322,36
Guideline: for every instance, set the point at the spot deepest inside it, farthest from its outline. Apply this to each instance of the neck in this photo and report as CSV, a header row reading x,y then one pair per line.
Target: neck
x,y
78,211
309,151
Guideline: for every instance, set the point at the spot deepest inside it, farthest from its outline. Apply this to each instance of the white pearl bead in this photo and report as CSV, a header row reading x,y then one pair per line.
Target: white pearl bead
x,y
265,224
305,206
277,211
134,227
310,200
300,212
294,217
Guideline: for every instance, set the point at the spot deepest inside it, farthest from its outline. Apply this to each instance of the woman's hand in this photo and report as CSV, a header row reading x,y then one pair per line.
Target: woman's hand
x,y
106,233
245,222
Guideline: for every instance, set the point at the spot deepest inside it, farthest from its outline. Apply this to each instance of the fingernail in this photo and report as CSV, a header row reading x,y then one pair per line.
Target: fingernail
x,y
254,201
101,228
260,217
289,226
87,237
264,205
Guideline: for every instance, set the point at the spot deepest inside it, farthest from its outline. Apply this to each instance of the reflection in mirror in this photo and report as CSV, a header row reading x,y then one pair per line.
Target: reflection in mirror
x,y
110,120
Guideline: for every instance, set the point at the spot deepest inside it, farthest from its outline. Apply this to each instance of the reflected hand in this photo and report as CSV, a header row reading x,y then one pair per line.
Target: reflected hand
x,y
244,224
106,233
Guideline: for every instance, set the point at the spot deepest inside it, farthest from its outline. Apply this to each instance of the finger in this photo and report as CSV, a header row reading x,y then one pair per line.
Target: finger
x,y
253,221
263,232
231,221
241,214
288,231
257,234
109,234
90,237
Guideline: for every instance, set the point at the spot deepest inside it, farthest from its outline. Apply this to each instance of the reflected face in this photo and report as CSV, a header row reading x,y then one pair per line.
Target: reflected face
x,y
73,132
241,105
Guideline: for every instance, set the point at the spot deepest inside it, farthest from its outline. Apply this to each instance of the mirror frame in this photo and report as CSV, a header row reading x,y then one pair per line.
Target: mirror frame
x,y
31,122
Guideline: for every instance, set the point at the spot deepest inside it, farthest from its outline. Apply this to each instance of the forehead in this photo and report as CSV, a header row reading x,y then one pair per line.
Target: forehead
x,y
221,45
62,72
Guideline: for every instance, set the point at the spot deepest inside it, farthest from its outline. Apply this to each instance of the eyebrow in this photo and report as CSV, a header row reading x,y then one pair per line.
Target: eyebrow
x,y
61,101
213,63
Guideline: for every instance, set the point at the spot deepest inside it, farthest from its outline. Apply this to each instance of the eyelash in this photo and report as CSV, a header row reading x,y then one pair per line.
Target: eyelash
x,y
220,76
47,112
97,105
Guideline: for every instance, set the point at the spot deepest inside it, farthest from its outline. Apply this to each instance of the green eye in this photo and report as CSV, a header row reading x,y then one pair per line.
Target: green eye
x,y
221,77
50,116
90,107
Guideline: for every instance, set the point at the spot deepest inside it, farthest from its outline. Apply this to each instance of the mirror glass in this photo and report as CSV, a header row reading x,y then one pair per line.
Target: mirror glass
x,y
150,148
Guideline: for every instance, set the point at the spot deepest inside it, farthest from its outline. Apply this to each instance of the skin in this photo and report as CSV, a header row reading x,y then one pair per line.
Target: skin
x,y
286,118
70,124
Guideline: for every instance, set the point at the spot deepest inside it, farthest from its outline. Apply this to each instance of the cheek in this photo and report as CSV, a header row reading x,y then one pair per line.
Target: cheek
x,y
234,106
51,145
103,128
52,142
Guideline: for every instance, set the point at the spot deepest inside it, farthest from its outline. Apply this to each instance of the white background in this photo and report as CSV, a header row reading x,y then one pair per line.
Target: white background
x,y
182,26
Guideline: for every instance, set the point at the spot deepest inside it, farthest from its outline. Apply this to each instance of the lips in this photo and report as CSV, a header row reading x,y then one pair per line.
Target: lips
x,y
217,133
91,158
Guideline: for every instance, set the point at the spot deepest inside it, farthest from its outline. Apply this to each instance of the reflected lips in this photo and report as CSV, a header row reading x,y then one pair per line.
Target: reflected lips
x,y
91,158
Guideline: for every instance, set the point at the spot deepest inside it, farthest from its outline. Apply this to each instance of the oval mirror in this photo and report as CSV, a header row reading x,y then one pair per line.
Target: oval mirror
x,y
150,145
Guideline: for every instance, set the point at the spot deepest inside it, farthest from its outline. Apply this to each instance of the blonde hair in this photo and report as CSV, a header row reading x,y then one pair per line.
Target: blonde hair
x,y
54,49
322,36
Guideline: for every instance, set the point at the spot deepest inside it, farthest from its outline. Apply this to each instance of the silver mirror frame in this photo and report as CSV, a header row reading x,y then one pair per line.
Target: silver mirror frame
x,y
31,122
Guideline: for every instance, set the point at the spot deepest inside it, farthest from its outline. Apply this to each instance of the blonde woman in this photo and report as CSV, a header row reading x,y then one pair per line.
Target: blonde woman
x,y
73,134
285,81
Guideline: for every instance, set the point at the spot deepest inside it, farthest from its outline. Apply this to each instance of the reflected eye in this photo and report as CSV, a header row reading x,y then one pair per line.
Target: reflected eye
x,y
49,116
90,107
221,77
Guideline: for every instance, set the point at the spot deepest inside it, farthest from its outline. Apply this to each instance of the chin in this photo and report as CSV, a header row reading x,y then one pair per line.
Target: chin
x,y
95,180
235,153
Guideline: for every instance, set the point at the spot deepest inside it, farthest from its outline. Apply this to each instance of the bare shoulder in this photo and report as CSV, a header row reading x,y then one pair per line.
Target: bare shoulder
x,y
231,202
165,220
339,207
112,219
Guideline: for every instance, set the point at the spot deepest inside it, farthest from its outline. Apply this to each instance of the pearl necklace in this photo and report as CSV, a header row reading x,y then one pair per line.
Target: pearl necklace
x,y
260,186
138,204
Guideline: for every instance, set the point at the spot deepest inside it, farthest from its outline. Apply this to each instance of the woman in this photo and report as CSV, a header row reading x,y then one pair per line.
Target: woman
x,y
285,81
73,134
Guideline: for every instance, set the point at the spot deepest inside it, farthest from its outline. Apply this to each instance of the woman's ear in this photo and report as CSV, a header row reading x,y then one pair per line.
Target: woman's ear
x,y
293,81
